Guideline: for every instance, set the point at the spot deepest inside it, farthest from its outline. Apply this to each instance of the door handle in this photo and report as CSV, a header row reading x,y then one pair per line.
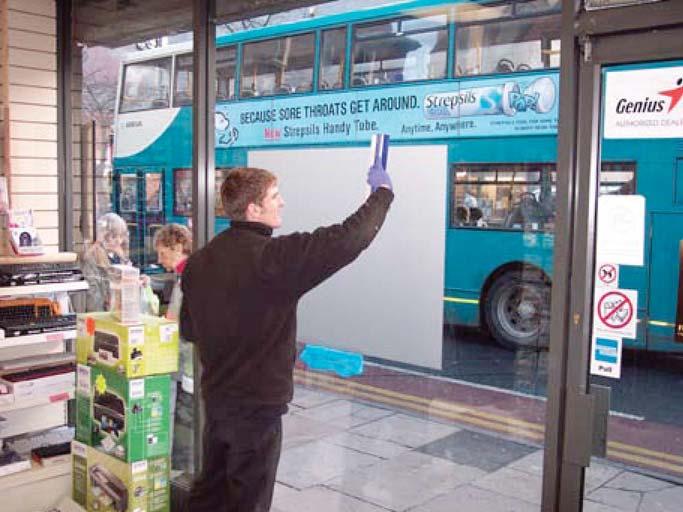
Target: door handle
x,y
587,432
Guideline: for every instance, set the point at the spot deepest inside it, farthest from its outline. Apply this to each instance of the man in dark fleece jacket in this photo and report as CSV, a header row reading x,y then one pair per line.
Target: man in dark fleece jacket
x,y
240,296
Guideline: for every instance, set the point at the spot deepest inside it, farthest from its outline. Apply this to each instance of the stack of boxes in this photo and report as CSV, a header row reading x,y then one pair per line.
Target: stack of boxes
x,y
121,456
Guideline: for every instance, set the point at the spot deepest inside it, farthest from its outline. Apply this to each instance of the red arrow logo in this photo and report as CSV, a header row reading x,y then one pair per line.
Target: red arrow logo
x,y
674,94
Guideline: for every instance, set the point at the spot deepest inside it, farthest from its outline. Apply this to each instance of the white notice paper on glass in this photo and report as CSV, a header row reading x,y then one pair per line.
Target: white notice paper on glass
x,y
621,229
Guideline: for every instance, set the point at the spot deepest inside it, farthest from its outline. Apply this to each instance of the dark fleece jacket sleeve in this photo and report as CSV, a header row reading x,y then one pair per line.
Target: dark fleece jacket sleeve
x,y
301,261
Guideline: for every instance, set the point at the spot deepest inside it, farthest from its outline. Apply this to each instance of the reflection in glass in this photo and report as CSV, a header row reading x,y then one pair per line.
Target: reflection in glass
x,y
278,66
403,50
225,73
153,192
225,77
332,55
182,93
182,192
128,194
507,46
146,85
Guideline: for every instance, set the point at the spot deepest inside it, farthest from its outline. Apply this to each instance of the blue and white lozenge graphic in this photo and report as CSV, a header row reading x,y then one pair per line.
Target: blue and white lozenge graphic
x,y
509,98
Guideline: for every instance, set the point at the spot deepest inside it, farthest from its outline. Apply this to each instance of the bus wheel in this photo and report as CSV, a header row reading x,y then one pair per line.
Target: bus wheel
x,y
517,310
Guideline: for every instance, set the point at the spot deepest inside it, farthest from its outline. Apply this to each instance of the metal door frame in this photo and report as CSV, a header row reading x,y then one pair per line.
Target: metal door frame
x,y
576,412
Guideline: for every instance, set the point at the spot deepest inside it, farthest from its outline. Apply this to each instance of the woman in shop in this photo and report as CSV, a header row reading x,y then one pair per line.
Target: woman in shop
x,y
173,244
110,248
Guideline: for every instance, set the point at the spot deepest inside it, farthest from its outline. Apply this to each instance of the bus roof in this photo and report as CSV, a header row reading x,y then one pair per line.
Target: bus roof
x,y
336,19
380,11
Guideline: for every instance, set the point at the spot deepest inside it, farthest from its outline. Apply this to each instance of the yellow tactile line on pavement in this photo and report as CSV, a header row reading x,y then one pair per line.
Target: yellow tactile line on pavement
x,y
438,408
465,414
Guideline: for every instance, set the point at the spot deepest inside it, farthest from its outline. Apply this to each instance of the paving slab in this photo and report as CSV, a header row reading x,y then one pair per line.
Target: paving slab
x,y
405,430
406,481
314,463
475,499
482,451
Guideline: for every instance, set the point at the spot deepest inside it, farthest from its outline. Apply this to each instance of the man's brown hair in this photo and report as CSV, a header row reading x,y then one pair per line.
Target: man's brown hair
x,y
244,185
173,234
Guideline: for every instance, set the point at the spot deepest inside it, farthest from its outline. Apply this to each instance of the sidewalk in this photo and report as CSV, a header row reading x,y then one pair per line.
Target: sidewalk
x,y
346,454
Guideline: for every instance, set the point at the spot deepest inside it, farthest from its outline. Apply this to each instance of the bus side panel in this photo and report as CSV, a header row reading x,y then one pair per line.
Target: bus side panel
x,y
473,254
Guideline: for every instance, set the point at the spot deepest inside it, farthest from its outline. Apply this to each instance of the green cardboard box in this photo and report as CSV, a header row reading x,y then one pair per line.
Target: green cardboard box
x,y
134,350
104,484
128,419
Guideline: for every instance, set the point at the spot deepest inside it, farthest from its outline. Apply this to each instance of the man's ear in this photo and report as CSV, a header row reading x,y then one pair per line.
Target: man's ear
x,y
253,212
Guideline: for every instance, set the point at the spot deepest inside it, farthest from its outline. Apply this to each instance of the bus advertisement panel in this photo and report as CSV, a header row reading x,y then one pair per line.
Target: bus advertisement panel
x,y
477,108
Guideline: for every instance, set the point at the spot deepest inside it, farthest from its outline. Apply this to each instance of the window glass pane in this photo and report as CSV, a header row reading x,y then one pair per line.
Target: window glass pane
x,y
507,46
376,29
128,195
618,178
394,54
153,192
537,6
424,23
527,176
225,73
489,196
146,85
505,176
182,191
221,174
182,94
467,13
332,58
465,175
278,66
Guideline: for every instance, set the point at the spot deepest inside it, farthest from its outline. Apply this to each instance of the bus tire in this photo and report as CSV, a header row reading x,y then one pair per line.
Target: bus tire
x,y
517,310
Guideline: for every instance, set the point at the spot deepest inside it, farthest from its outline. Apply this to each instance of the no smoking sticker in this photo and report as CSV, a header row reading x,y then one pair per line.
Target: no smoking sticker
x,y
607,275
616,312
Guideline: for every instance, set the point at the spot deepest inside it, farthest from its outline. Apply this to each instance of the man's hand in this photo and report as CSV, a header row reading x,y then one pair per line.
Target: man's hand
x,y
378,176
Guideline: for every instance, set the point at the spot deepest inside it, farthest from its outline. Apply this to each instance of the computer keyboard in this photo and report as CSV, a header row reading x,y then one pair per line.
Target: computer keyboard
x,y
22,274
23,327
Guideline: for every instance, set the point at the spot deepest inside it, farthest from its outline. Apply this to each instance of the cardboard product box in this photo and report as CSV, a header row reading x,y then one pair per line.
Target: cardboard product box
x,y
128,419
53,383
147,348
105,484
124,286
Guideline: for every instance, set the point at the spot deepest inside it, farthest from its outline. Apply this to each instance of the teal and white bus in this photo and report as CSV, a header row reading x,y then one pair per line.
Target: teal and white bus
x,y
480,78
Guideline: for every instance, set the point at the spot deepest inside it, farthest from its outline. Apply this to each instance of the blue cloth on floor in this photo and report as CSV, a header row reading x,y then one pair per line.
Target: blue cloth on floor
x,y
344,364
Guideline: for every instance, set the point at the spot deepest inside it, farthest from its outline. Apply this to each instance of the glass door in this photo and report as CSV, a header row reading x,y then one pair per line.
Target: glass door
x,y
635,350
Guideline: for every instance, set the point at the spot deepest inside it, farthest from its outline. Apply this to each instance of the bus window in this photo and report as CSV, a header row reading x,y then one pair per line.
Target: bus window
x,y
225,77
332,58
537,6
469,12
225,73
618,178
182,192
146,85
278,66
503,196
400,50
505,46
182,92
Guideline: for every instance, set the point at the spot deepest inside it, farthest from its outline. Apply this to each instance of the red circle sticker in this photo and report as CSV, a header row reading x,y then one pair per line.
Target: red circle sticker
x,y
615,310
607,273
